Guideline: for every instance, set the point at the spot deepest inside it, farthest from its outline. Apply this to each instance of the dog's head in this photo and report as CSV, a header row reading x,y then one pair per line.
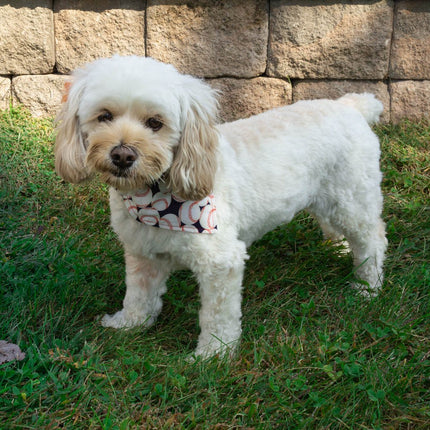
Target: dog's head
x,y
135,121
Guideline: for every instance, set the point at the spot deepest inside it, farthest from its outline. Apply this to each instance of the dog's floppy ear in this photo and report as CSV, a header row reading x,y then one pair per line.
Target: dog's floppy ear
x,y
69,143
191,175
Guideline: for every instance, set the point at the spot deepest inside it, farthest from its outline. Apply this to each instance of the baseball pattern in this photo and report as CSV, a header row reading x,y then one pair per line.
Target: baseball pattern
x,y
156,207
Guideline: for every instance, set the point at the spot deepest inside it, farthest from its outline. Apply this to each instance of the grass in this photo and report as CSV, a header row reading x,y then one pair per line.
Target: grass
x,y
313,353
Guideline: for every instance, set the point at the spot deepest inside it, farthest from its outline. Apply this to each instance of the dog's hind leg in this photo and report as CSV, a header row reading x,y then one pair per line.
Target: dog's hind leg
x,y
364,231
368,247
331,234
367,242
146,283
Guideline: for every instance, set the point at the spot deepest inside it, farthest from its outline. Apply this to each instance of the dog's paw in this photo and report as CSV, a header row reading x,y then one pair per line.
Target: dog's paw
x,y
366,291
215,348
117,320
125,320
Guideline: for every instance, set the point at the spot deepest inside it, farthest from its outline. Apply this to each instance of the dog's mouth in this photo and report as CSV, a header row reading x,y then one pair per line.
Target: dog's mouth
x,y
124,180
121,173
125,167
129,179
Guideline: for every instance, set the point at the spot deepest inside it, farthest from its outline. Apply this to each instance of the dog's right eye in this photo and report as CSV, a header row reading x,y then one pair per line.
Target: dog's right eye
x,y
105,117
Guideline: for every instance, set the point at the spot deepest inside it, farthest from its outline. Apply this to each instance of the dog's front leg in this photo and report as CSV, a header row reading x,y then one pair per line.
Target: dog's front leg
x,y
146,283
220,313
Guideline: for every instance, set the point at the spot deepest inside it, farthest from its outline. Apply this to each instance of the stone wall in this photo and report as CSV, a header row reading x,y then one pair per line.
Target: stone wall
x,y
260,53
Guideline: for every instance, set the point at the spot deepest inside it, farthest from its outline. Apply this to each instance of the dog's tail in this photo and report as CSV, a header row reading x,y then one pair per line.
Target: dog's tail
x,y
366,103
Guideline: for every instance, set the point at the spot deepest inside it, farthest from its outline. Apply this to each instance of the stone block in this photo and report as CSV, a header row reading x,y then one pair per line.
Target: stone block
x,y
241,98
332,39
4,93
410,57
209,38
308,90
40,94
410,100
85,31
26,37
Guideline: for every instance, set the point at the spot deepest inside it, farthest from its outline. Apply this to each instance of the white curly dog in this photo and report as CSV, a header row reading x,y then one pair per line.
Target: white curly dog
x,y
188,193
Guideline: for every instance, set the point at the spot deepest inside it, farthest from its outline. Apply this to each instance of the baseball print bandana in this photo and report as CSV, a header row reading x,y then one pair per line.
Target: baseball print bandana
x,y
156,207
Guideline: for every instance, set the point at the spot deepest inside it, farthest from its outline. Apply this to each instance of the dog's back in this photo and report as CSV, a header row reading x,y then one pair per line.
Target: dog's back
x,y
288,158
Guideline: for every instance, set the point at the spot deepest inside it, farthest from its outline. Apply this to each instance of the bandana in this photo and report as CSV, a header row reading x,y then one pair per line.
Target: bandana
x,y
156,207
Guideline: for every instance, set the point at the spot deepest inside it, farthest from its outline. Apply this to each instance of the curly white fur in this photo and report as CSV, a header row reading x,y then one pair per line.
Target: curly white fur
x,y
320,156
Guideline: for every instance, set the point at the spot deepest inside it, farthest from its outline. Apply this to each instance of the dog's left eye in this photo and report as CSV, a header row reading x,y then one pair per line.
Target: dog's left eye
x,y
105,117
154,123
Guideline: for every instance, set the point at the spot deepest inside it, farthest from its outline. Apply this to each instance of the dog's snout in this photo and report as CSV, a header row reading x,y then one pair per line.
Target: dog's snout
x,y
123,156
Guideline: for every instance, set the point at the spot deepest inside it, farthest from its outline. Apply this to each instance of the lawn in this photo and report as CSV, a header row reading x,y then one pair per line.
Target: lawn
x,y
313,354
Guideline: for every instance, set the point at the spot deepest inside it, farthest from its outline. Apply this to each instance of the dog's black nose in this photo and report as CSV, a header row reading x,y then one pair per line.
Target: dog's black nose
x,y
123,156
